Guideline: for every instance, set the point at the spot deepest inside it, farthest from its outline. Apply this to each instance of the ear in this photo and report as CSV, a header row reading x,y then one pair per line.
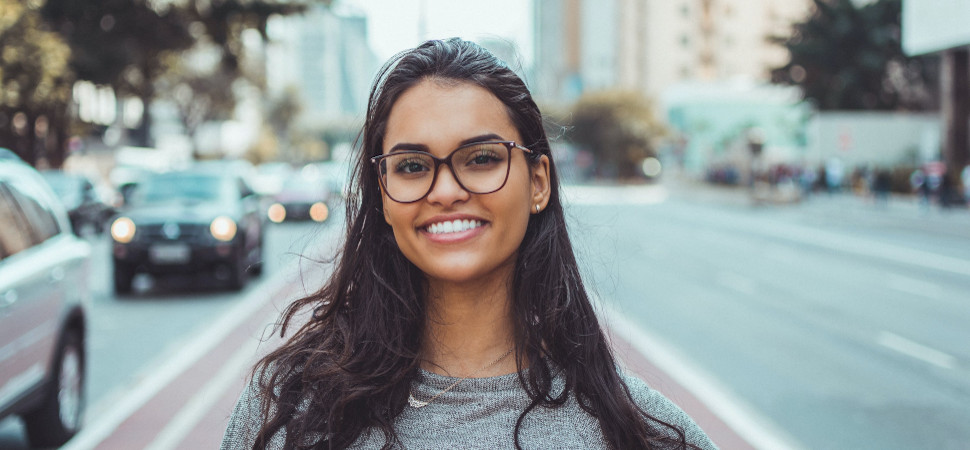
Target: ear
x,y
541,186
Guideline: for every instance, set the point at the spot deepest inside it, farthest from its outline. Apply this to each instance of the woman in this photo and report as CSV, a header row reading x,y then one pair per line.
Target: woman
x,y
456,316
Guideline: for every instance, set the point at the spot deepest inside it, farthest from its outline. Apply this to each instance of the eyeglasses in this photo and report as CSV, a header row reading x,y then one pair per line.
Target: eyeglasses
x,y
479,168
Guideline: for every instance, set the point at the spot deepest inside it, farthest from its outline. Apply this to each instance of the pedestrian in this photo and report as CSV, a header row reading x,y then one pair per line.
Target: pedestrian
x,y
455,316
965,182
920,184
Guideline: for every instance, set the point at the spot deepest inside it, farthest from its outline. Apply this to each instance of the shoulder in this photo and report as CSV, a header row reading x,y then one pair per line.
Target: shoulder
x,y
247,417
657,405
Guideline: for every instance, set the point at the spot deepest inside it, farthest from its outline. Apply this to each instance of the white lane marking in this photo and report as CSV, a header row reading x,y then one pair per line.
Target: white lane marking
x,y
737,282
186,419
92,434
852,244
915,287
915,350
753,427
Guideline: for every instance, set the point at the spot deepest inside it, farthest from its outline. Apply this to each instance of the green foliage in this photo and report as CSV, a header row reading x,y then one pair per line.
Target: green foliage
x,y
619,128
134,46
35,84
120,43
224,22
848,57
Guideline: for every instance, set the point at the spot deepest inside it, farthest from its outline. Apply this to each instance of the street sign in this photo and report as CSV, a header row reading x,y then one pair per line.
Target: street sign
x,y
935,25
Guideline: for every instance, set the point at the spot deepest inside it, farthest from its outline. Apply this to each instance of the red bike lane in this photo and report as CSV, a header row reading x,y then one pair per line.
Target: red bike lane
x,y
189,404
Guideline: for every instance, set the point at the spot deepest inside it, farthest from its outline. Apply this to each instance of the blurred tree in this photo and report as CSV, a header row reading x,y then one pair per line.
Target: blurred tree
x,y
282,115
199,94
225,21
35,85
619,128
121,43
849,57
203,80
132,44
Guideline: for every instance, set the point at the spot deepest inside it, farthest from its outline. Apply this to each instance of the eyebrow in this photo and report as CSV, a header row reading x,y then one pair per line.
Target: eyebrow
x,y
424,148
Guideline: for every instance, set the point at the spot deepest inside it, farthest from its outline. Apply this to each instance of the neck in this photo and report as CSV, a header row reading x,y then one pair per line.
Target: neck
x,y
468,328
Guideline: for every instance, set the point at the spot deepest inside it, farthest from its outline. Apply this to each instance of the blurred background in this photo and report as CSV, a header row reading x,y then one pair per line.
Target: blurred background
x,y
771,194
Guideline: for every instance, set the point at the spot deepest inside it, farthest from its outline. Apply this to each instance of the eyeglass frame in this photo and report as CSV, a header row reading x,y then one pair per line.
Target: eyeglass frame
x,y
438,162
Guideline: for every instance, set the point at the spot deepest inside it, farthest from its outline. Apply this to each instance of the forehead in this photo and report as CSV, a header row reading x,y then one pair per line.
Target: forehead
x,y
442,114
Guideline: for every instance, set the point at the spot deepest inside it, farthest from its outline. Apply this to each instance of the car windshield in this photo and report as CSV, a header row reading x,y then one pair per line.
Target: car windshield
x,y
62,184
302,184
68,188
182,187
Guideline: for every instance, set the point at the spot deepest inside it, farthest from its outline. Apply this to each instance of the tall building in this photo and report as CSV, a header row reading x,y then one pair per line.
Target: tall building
x,y
323,54
650,45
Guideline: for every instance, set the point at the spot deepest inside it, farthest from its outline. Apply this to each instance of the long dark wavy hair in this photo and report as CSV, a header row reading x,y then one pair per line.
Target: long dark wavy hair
x,y
349,368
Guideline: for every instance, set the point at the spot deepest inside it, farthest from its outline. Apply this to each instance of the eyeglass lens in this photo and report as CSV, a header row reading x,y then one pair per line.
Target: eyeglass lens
x,y
480,168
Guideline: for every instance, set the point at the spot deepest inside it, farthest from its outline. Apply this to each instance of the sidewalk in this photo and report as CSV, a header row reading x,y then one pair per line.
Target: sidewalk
x,y
843,208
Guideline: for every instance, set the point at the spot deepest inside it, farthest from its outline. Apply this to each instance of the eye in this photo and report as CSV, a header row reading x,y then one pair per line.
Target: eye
x,y
484,156
406,165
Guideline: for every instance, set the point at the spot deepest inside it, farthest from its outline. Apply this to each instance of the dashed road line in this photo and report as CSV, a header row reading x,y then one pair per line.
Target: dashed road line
x,y
912,349
915,287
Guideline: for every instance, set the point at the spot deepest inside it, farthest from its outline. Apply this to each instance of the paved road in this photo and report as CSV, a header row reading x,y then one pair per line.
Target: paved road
x,y
841,323
831,324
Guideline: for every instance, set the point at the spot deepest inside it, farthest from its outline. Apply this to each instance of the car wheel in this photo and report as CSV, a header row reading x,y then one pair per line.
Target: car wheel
x,y
257,267
238,273
123,277
59,416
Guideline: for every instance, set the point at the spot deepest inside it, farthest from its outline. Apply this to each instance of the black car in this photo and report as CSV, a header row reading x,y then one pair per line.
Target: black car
x,y
189,221
78,195
300,198
44,273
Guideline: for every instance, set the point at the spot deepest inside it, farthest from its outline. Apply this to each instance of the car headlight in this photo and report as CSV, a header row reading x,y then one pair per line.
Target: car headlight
x,y
123,230
319,211
223,228
276,213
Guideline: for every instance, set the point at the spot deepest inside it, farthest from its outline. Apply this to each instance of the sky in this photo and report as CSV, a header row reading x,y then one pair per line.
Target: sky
x,y
393,24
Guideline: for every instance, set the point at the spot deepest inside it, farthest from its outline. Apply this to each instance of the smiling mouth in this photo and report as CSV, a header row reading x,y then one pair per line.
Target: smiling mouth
x,y
453,226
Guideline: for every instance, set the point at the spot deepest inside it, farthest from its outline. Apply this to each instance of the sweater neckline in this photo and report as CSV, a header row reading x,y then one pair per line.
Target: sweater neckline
x,y
430,382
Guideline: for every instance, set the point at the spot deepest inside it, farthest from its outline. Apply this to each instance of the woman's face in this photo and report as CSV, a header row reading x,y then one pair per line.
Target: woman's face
x,y
440,117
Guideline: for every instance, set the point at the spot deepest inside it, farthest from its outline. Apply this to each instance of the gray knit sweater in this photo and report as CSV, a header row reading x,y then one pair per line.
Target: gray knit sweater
x,y
480,413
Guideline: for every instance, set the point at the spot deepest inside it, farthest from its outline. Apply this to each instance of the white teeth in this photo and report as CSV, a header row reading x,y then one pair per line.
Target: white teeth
x,y
453,226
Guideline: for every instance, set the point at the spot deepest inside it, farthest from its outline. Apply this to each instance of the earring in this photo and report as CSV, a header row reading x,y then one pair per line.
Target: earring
x,y
537,209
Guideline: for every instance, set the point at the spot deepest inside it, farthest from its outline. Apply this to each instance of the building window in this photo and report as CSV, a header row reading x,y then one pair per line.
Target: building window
x,y
685,41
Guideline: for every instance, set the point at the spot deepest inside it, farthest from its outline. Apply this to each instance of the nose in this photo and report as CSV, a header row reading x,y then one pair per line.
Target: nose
x,y
446,189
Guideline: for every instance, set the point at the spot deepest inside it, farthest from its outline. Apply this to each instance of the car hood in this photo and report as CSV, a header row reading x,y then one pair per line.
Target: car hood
x,y
183,212
300,196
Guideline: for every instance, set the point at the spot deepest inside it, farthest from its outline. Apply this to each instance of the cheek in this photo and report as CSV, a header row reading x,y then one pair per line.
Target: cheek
x,y
396,215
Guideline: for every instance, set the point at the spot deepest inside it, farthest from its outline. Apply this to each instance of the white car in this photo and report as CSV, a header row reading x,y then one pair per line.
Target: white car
x,y
44,271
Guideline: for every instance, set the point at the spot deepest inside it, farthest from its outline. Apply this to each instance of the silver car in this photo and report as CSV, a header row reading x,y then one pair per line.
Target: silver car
x,y
44,271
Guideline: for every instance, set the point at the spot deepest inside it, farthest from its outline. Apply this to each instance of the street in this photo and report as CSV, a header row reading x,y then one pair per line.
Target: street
x,y
834,323
843,322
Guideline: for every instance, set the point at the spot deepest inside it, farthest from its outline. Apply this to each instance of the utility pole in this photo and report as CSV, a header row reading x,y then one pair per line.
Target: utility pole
x,y
955,107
